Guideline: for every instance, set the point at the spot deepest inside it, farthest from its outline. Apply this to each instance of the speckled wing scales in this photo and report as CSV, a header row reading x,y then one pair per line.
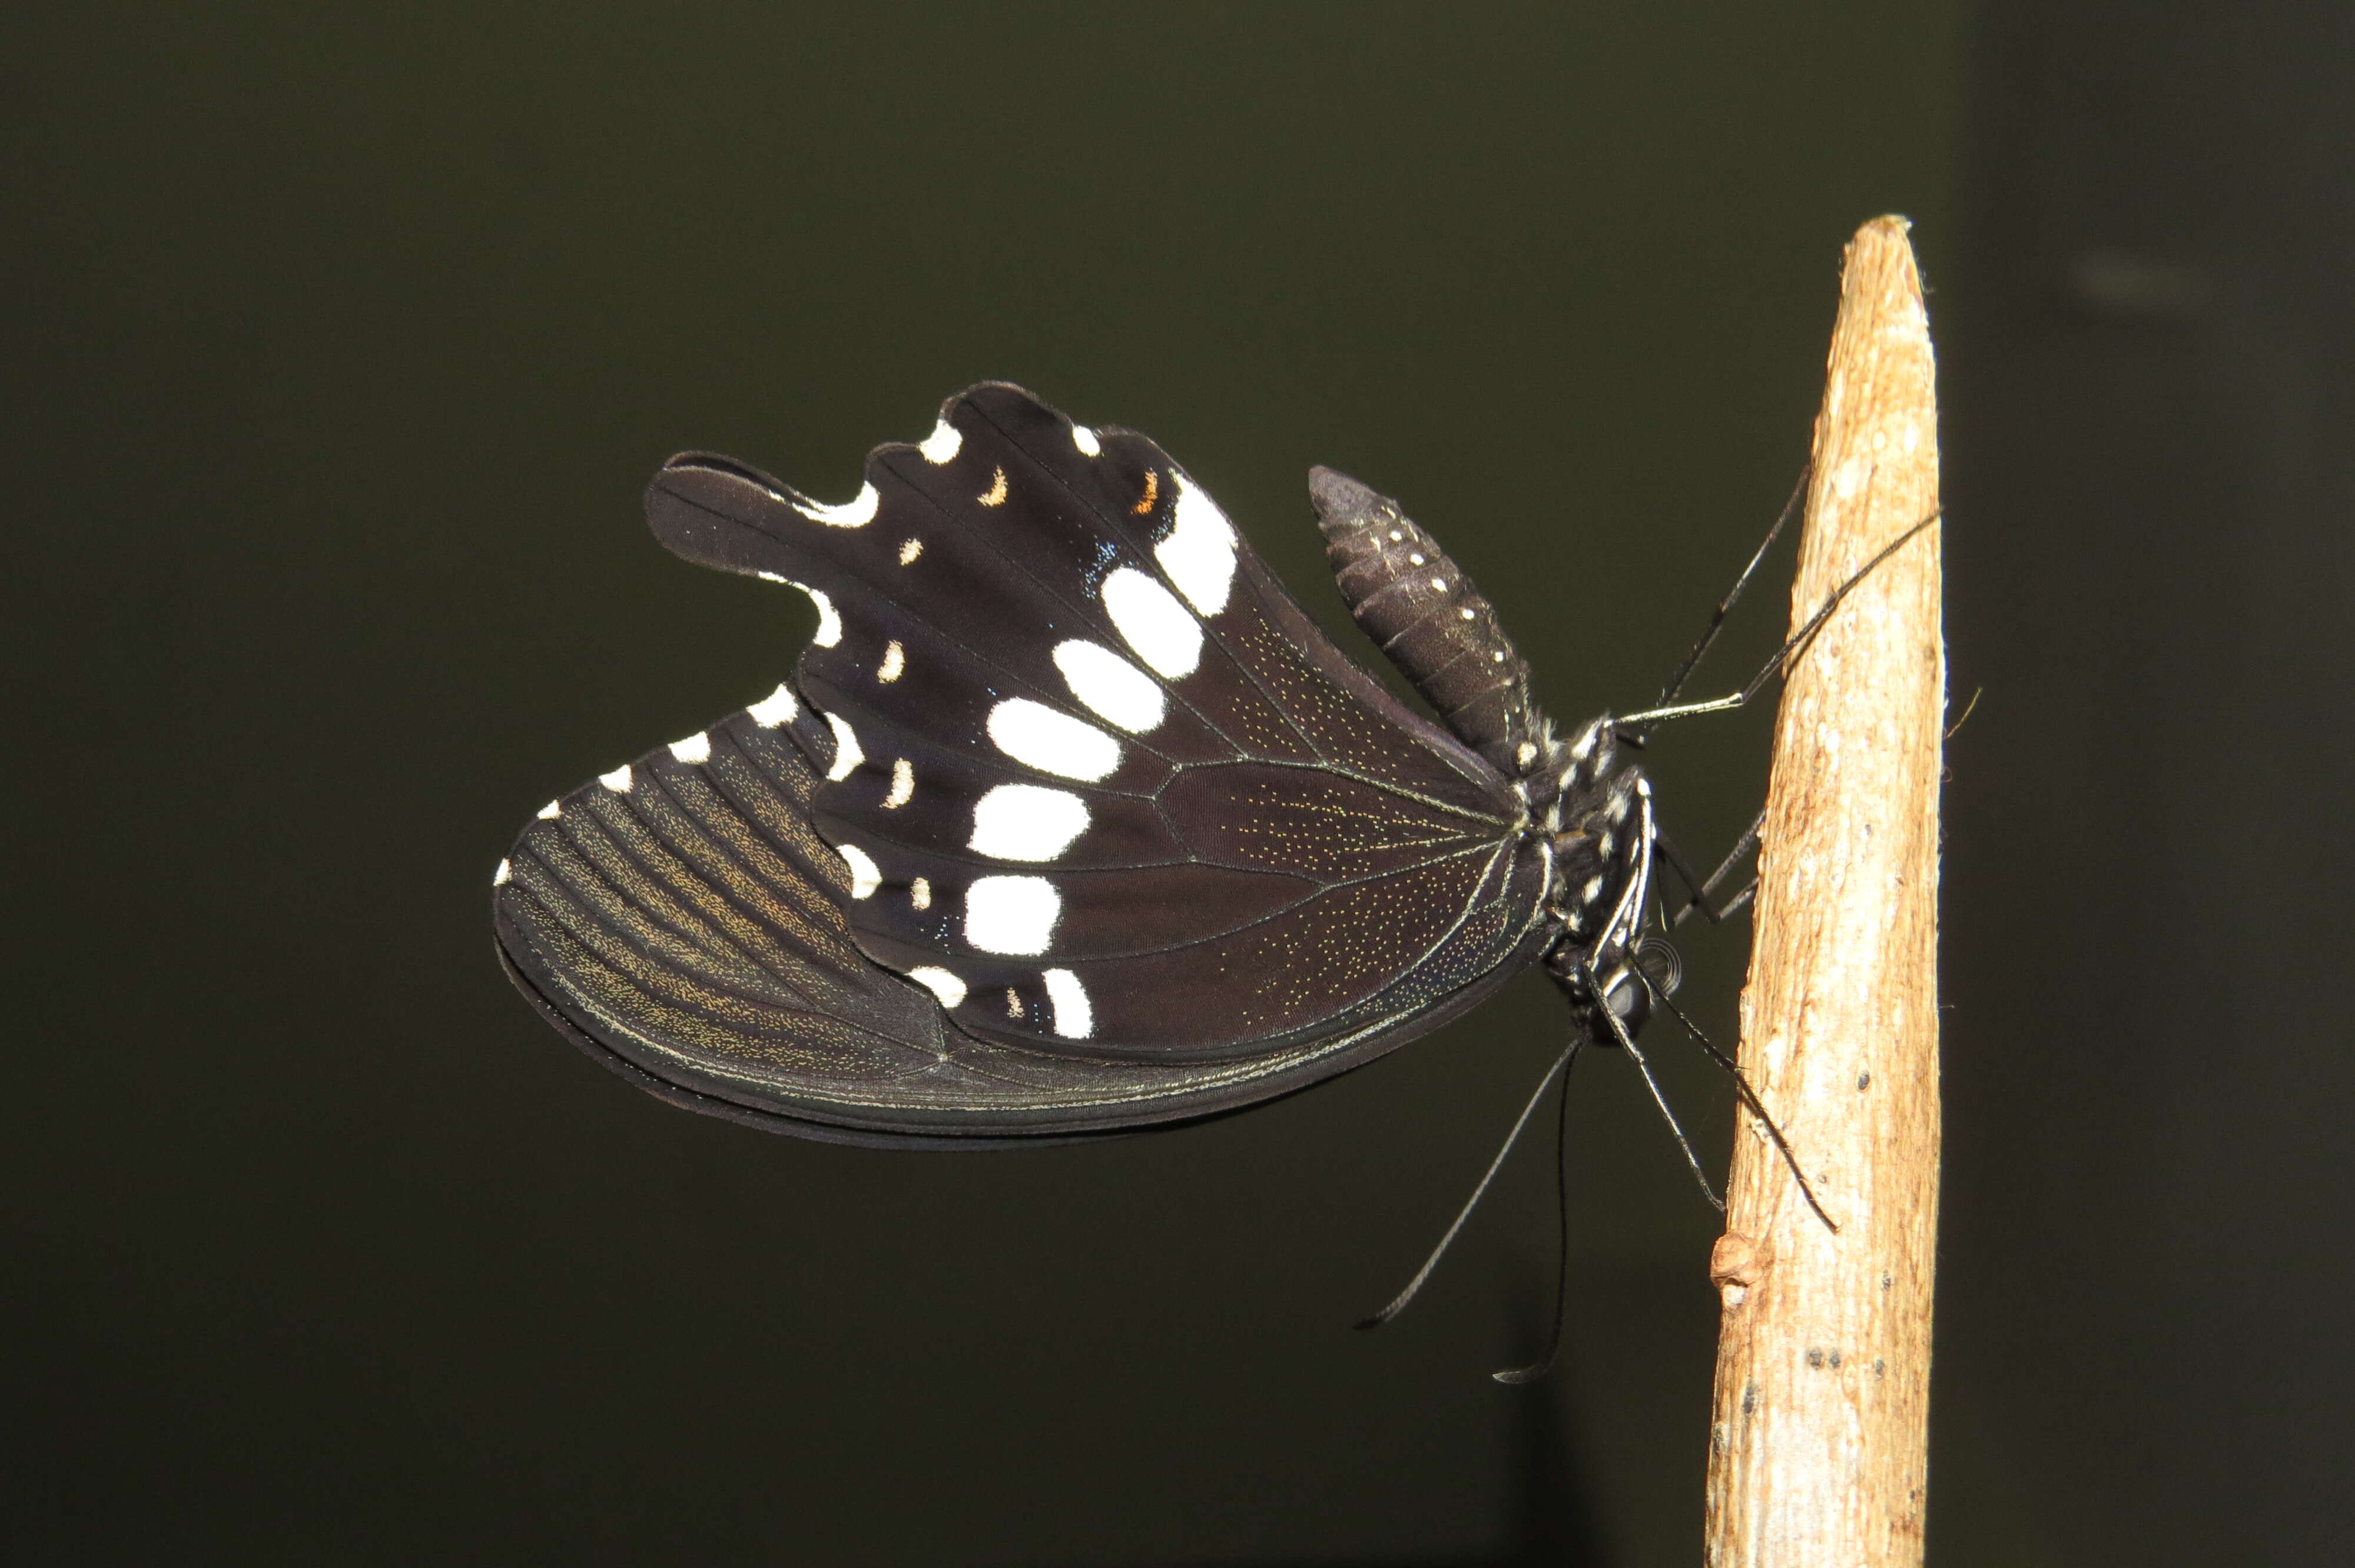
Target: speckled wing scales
x,y
1075,822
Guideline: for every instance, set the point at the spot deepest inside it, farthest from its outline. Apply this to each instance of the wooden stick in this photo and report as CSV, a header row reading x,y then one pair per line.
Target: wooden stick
x,y
1818,1453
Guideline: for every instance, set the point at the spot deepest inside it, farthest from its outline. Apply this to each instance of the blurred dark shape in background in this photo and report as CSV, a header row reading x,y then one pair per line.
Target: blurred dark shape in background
x,y
342,341
2151,455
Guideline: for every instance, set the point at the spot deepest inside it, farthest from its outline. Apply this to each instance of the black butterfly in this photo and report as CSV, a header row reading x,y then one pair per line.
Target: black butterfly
x,y
1070,820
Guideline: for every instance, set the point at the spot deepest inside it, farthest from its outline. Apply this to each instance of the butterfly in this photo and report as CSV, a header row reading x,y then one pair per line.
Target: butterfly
x,y
1069,821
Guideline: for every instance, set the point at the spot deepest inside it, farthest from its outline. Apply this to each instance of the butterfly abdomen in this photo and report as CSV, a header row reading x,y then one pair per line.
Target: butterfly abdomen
x,y
1429,618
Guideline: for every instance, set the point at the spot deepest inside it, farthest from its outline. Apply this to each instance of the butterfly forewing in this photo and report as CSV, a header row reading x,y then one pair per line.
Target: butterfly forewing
x,y
1063,752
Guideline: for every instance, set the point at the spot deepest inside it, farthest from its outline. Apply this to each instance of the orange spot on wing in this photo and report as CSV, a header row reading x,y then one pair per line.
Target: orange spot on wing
x,y
1152,489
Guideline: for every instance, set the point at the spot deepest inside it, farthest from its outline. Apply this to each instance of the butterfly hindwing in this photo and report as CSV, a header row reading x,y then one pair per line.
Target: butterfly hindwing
x,y
682,921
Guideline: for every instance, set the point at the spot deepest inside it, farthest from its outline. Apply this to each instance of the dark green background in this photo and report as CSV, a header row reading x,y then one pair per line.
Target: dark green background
x,y
342,341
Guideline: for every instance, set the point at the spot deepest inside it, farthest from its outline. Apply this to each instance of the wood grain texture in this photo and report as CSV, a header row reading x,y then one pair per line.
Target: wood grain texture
x,y
1818,1450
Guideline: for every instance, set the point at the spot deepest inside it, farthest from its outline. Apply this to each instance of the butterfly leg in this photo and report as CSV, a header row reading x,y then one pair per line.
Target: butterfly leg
x,y
1701,889
1786,655
1750,1099
1627,1042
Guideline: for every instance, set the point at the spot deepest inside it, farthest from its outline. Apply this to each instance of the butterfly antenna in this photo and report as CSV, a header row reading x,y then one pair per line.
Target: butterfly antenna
x,y
1399,1302
1786,653
1757,1108
1733,594
1627,1042
1515,1376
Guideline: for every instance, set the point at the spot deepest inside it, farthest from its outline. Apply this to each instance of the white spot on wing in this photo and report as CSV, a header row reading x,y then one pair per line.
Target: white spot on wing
x,y
919,893
909,550
856,513
1074,1019
694,749
499,877
847,754
895,659
552,811
617,781
1085,440
940,983
1153,623
829,624
1110,686
1052,742
942,444
1199,553
903,785
865,877
1012,915
773,709
1027,822
1439,585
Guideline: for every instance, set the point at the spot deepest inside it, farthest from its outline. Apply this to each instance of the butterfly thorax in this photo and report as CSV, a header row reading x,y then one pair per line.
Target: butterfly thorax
x,y
1595,816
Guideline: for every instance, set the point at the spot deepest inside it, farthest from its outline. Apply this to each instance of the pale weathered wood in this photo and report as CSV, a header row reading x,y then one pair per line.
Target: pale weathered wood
x,y
1819,1452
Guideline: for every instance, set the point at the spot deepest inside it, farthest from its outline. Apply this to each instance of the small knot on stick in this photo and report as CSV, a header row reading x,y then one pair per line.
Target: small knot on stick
x,y
1735,1263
